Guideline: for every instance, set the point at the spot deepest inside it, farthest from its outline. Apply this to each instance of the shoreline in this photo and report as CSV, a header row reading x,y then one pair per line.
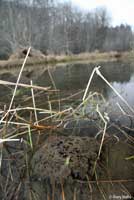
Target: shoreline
x,y
82,57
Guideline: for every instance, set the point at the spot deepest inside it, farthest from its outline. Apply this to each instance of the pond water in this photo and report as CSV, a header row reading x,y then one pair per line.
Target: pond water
x,y
73,77
70,79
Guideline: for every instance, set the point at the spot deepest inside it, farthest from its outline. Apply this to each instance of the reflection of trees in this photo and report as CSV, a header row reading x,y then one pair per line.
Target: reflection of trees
x,y
117,71
76,76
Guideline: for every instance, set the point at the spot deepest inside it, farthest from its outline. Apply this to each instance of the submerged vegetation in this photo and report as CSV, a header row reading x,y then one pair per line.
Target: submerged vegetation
x,y
64,150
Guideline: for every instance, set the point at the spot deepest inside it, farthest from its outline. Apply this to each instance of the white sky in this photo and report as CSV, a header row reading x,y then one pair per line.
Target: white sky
x,y
121,11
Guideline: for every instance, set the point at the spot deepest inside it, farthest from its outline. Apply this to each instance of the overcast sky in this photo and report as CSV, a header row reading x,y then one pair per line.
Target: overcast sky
x,y
121,11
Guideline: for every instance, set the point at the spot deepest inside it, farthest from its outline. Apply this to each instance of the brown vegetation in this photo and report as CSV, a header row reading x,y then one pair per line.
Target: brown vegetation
x,y
21,53
36,57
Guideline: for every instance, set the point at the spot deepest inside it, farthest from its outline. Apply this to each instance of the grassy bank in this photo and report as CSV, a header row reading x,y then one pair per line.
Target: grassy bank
x,y
53,59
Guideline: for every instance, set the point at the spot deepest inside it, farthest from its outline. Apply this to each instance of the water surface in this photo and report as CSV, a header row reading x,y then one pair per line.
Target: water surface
x,y
73,77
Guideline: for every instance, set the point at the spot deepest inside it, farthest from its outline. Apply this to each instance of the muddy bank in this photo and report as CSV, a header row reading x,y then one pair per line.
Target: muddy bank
x,y
64,166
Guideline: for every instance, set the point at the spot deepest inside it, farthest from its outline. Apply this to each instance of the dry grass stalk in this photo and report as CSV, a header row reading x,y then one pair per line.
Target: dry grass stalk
x,y
16,85
122,110
51,78
34,106
88,85
115,91
31,108
62,191
103,118
35,111
25,85
74,196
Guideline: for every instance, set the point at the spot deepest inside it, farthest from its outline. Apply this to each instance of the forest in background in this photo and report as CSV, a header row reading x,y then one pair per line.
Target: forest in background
x,y
59,28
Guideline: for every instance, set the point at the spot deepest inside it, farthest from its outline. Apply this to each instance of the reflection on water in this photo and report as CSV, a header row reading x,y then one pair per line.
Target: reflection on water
x,y
125,89
73,77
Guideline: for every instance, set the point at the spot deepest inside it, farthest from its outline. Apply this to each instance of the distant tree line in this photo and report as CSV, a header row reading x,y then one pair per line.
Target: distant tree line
x,y
58,28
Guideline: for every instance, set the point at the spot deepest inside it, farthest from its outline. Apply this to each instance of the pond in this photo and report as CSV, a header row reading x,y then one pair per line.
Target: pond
x,y
73,77
36,171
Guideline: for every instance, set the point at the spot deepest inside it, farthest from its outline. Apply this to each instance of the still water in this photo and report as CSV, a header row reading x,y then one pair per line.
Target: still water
x,y
71,78
74,77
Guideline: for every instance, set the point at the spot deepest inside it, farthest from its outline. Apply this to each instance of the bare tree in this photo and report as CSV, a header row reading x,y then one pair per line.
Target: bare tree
x,y
55,27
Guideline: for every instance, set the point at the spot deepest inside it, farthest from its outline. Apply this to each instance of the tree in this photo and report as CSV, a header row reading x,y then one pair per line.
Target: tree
x,y
54,27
